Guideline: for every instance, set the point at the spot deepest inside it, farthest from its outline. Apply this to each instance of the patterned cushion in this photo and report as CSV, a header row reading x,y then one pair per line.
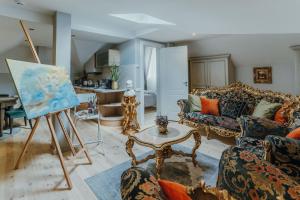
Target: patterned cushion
x,y
225,122
194,102
285,154
232,109
266,109
138,184
260,127
253,145
247,177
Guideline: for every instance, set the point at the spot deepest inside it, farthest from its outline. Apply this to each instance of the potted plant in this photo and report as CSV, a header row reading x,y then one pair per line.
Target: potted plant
x,y
115,75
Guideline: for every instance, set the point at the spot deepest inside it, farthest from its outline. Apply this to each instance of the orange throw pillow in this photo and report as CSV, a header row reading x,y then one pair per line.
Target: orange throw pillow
x,y
295,134
174,190
210,106
279,116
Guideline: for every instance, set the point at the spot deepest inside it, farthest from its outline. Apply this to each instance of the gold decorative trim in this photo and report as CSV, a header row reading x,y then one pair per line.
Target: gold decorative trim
x,y
201,191
290,107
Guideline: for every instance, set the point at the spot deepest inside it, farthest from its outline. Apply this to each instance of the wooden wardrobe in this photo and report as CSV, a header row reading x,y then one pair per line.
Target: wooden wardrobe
x,y
210,71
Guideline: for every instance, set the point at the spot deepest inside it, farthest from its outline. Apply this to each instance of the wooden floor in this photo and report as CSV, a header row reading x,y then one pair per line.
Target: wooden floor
x,y
40,175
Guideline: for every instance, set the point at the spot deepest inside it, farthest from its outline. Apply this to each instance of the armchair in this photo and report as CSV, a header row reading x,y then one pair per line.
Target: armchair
x,y
261,169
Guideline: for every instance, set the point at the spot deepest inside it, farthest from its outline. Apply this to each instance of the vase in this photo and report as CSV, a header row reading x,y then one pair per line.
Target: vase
x,y
162,129
114,85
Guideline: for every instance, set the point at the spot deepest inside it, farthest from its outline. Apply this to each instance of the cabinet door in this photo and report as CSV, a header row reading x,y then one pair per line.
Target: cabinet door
x,y
198,75
217,72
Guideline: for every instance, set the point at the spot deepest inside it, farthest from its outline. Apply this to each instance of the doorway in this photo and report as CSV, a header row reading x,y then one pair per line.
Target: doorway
x,y
150,83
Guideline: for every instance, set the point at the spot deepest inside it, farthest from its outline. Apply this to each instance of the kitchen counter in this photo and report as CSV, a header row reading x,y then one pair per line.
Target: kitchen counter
x,y
100,90
109,104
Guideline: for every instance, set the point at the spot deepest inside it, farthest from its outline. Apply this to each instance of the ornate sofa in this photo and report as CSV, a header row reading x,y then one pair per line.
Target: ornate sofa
x,y
139,184
229,127
261,169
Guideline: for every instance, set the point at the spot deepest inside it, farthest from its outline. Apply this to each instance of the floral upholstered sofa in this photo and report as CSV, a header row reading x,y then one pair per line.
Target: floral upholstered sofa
x,y
261,169
236,92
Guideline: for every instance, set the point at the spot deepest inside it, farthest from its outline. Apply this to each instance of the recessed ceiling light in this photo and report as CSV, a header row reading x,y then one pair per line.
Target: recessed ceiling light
x,y
141,18
194,34
20,2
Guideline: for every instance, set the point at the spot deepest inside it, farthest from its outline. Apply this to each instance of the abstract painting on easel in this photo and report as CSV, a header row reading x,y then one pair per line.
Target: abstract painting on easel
x,y
42,88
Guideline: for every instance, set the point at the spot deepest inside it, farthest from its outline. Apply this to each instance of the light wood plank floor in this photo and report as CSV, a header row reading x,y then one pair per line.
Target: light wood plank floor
x,y
40,175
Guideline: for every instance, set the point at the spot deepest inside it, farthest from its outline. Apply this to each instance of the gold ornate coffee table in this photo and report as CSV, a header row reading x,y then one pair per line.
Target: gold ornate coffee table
x,y
161,144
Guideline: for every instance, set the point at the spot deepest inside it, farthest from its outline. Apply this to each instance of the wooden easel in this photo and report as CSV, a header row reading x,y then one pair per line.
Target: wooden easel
x,y
51,127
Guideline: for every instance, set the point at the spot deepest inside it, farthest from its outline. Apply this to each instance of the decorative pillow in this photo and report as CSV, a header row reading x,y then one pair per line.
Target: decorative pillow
x,y
194,102
295,134
259,128
265,109
210,106
232,109
174,190
280,116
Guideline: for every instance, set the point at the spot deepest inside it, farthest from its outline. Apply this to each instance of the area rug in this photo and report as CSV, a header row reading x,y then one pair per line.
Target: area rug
x,y
106,185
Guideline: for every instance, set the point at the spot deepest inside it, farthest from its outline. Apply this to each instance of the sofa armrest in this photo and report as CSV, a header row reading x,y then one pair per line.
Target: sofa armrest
x,y
259,128
137,183
246,177
280,150
184,108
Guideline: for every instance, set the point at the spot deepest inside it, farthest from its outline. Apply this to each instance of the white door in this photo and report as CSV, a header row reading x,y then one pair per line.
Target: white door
x,y
172,80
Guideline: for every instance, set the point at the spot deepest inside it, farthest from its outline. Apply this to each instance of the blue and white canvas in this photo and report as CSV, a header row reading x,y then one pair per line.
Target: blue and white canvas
x,y
42,88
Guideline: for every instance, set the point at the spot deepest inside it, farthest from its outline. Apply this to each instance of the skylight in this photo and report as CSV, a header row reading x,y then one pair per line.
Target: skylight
x,y
141,18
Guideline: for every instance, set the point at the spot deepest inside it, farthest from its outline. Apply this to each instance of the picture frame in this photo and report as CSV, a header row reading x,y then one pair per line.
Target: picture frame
x,y
262,74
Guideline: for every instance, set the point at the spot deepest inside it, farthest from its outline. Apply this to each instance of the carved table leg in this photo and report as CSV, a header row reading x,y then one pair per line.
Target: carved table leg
x,y
159,161
129,146
197,138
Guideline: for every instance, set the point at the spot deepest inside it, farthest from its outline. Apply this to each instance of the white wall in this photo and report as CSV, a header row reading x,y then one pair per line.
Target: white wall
x,y
17,53
254,50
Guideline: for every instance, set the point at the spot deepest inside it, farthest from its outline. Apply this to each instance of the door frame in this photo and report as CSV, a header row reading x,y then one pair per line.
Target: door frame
x,y
143,44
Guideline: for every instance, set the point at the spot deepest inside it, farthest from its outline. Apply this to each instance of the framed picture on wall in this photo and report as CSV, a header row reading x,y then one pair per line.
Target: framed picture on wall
x,y
262,74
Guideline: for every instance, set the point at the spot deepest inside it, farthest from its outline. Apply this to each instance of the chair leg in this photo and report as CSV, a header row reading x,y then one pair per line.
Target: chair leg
x,y
25,121
30,123
10,125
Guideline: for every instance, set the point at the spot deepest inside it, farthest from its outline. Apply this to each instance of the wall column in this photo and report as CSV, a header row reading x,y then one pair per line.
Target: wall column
x,y
62,58
296,50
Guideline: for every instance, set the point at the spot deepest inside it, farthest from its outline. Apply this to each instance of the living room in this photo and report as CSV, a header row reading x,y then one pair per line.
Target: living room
x,y
123,100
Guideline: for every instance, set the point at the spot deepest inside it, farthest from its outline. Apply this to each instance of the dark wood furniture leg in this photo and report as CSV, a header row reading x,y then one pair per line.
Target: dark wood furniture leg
x,y
1,118
25,121
10,125
30,123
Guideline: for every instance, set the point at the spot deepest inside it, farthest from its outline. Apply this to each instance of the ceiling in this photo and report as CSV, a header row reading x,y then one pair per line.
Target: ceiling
x,y
93,26
91,19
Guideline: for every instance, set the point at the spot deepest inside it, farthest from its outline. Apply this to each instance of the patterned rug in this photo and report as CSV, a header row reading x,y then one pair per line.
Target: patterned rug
x,y
106,185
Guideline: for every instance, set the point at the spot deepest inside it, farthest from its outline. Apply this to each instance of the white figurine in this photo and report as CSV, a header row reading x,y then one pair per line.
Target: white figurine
x,y
129,89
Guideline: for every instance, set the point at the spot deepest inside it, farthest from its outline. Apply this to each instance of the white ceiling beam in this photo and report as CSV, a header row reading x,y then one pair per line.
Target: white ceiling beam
x,y
28,15
119,34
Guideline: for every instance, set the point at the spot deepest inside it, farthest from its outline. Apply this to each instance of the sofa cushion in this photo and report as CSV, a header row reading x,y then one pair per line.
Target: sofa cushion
x,y
232,108
260,127
265,109
194,102
221,121
253,145
247,177
137,184
174,190
210,106
285,154
295,134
